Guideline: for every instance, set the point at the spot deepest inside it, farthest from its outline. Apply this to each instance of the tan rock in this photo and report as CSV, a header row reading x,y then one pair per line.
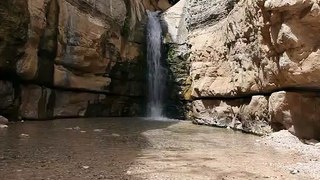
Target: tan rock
x,y
27,66
3,120
175,24
253,50
69,104
299,110
66,79
258,47
163,4
247,114
72,104
36,102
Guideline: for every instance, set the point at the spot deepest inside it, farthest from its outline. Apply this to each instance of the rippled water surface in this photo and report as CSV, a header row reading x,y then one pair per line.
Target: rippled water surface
x,y
127,148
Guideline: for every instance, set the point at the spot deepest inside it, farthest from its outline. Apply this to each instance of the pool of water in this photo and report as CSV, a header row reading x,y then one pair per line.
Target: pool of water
x,y
133,148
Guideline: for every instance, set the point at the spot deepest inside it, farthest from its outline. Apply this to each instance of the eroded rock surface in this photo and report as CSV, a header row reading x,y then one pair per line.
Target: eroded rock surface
x,y
255,53
73,58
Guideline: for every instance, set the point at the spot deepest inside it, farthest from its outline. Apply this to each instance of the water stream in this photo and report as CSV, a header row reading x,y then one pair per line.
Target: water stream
x,y
156,71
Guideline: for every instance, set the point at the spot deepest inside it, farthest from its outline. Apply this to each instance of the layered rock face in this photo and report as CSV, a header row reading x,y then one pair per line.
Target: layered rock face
x,y
246,54
73,58
254,64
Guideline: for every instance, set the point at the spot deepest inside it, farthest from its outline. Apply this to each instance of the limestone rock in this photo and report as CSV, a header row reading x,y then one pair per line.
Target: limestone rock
x,y
27,66
246,47
247,114
66,79
92,47
3,120
298,110
14,18
36,102
252,49
71,104
174,23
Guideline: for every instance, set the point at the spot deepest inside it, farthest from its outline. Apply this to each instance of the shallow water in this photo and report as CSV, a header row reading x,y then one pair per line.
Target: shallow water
x,y
127,148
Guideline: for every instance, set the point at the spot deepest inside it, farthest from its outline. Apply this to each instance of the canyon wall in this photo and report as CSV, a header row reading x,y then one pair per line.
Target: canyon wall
x,y
73,58
254,64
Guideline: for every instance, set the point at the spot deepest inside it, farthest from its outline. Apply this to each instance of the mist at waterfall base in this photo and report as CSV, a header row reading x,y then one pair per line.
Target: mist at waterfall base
x,y
157,74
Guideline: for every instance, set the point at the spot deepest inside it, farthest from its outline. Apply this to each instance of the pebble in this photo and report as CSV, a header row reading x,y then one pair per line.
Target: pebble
x,y
294,171
3,126
98,130
3,120
83,131
24,135
115,135
85,167
311,142
76,128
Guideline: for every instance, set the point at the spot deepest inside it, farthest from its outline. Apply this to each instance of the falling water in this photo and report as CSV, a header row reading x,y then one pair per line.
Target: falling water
x,y
156,72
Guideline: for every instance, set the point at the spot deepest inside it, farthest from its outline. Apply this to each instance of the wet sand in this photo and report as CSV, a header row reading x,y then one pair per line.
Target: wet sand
x,y
127,148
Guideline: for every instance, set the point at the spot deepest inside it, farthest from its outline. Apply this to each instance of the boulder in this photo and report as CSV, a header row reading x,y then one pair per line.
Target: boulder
x,y
36,102
297,111
246,114
3,120
255,48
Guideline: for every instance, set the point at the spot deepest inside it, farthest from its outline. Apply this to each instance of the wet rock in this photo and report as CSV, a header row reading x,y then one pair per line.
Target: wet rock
x,y
98,130
246,114
85,167
311,142
36,102
24,136
7,97
77,128
3,126
115,135
3,120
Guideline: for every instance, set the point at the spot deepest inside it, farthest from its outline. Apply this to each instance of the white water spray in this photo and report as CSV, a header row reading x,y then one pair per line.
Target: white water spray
x,y
156,71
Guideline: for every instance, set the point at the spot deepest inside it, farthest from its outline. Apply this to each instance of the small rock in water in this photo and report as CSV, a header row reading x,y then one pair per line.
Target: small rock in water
x,y
3,126
85,167
3,120
98,130
115,135
76,128
24,135
294,171
311,142
83,131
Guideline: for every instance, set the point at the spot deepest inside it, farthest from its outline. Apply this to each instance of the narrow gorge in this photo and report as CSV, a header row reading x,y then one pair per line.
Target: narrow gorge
x,y
248,65
88,65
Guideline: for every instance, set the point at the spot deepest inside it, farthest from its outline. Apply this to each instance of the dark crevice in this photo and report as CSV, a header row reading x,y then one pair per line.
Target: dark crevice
x,y
287,89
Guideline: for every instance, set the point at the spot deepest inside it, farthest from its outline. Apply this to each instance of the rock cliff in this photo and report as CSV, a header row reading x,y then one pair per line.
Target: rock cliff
x,y
73,58
254,64
250,65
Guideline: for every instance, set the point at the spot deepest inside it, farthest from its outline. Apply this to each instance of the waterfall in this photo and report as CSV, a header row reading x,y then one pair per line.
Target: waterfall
x,y
156,71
